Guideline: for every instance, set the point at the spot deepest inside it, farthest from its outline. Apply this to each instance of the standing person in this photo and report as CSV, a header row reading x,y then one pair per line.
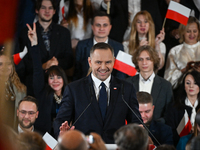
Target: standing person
x,y
180,56
27,113
49,94
54,42
101,26
162,132
146,61
187,100
77,18
14,89
102,95
143,33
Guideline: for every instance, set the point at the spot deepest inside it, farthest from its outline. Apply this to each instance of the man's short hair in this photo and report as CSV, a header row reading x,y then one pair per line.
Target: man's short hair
x,y
131,136
100,14
101,46
29,99
39,4
153,54
144,97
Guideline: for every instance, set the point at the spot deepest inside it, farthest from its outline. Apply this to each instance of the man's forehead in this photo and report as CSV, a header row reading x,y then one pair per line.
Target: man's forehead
x,y
27,105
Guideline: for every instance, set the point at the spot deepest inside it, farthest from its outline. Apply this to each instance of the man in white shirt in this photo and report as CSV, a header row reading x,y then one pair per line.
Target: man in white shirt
x,y
98,102
27,113
146,61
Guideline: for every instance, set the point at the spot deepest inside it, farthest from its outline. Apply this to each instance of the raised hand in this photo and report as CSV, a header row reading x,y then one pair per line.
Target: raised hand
x,y
160,37
65,127
32,35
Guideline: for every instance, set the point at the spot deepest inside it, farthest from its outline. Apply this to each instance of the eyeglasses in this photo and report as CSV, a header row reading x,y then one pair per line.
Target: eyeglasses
x,y
30,113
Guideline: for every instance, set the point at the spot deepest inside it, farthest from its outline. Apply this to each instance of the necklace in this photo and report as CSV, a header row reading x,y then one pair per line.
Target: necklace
x,y
58,99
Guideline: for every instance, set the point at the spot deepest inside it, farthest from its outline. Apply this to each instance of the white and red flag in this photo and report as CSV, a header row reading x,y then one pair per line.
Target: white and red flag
x,y
19,56
50,141
184,126
178,12
123,63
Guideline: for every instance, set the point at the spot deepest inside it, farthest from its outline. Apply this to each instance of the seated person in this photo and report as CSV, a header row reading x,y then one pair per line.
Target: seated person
x,y
161,132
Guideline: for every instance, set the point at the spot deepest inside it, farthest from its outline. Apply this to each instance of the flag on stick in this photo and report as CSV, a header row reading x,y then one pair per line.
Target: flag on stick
x,y
178,12
184,126
19,56
62,7
50,141
124,63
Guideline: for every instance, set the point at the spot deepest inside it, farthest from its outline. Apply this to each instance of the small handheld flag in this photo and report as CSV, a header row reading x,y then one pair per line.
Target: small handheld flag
x,y
19,56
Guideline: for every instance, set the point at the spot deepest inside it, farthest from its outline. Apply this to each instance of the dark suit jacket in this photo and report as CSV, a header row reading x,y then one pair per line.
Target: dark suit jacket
x,y
161,92
162,132
79,94
60,47
83,52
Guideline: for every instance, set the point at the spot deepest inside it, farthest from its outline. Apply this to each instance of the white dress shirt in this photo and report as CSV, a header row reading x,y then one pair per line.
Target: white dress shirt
x,y
146,85
97,87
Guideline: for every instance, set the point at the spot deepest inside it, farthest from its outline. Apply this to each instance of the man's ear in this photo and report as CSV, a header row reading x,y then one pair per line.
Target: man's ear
x,y
17,112
89,61
36,11
37,114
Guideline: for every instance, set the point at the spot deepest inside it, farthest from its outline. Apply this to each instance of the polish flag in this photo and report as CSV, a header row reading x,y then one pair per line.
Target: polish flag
x,y
178,12
19,56
50,141
184,126
123,63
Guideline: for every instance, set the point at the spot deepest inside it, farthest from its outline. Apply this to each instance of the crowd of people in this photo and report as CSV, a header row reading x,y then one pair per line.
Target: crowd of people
x,y
66,84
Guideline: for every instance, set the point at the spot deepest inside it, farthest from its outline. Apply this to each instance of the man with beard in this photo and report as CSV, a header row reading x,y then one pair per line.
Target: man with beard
x,y
27,113
54,42
161,131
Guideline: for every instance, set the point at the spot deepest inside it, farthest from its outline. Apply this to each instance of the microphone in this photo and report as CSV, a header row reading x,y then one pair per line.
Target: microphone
x,y
137,115
91,95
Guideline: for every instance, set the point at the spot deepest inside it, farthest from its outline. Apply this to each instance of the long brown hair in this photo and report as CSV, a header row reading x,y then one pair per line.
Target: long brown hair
x,y
88,11
134,39
13,78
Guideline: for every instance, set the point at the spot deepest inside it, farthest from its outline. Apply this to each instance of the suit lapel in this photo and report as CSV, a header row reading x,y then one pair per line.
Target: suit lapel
x,y
156,87
114,94
94,104
135,81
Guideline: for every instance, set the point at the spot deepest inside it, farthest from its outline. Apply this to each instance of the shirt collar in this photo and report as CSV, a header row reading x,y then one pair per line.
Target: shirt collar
x,y
95,42
48,29
21,131
150,79
97,82
188,103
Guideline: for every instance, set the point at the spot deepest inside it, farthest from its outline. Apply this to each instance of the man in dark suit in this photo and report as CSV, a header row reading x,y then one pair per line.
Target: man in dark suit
x,y
162,132
101,28
54,41
147,61
96,103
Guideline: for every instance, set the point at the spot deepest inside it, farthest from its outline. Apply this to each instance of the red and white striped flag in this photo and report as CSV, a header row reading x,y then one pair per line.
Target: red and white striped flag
x,y
123,63
178,12
19,56
184,126
50,141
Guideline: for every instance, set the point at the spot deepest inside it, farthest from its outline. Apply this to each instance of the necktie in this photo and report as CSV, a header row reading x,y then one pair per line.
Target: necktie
x,y
103,100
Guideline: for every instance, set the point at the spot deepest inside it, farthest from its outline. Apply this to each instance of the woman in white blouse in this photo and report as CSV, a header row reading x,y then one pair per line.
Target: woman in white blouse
x,y
186,103
143,33
181,55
